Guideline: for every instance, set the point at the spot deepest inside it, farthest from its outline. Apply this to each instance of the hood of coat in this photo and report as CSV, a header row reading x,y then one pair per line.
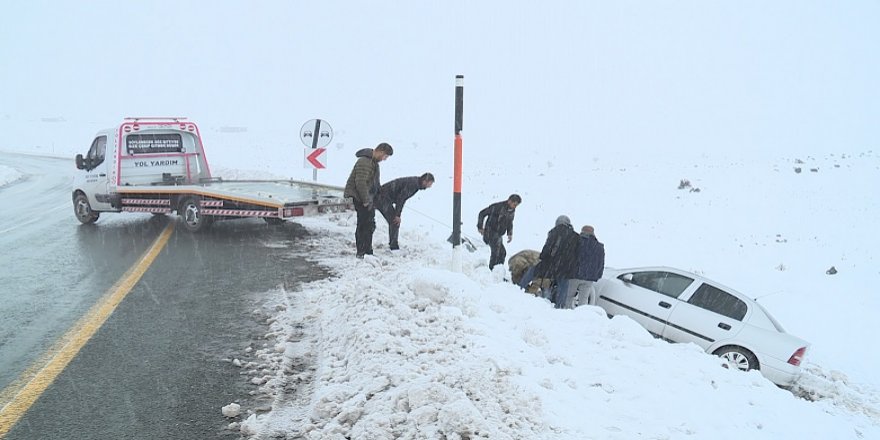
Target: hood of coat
x,y
364,152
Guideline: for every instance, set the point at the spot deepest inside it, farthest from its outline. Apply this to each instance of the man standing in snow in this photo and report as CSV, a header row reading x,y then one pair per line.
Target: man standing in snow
x,y
393,195
591,266
559,260
499,220
362,186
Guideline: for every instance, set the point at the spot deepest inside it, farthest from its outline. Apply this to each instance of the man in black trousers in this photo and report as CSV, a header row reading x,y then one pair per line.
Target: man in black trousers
x,y
393,195
499,221
362,186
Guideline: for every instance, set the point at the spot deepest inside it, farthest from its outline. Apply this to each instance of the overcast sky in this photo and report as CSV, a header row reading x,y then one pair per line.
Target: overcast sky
x,y
628,76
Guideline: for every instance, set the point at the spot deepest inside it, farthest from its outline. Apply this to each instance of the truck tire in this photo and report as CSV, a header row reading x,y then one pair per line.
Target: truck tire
x,y
83,211
191,213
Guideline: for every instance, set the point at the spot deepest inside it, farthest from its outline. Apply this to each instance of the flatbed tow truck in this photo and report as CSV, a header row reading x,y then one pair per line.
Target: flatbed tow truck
x,y
158,165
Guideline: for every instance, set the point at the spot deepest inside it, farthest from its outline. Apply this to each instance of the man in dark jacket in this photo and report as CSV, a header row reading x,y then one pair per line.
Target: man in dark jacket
x,y
559,259
591,266
393,195
499,221
362,186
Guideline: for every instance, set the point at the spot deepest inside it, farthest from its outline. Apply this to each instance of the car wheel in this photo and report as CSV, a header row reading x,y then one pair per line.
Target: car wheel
x,y
191,213
739,357
83,211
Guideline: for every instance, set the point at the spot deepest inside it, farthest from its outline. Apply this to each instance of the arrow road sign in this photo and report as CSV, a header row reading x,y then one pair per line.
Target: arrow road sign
x,y
313,158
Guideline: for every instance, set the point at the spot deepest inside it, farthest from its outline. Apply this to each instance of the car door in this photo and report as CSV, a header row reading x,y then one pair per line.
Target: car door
x,y
710,314
96,183
648,297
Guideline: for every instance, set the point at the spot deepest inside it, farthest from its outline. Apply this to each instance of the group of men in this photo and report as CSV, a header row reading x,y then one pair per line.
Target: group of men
x,y
566,268
368,195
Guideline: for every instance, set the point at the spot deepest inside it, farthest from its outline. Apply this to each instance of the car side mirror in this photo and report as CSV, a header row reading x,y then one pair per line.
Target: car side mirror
x,y
79,162
626,278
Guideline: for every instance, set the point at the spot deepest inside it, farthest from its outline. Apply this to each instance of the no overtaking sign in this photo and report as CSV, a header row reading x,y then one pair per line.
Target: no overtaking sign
x,y
315,134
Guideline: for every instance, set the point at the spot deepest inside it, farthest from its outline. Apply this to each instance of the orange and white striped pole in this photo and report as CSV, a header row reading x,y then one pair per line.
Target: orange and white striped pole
x,y
456,182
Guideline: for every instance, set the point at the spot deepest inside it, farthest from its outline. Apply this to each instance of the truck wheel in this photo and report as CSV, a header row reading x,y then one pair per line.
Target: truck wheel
x,y
83,211
191,213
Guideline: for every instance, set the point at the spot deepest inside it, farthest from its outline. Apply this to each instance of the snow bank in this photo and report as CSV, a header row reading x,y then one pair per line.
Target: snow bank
x,y
397,346
8,175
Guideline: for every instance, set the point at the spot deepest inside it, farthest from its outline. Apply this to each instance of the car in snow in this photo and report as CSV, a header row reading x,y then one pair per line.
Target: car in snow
x,y
681,306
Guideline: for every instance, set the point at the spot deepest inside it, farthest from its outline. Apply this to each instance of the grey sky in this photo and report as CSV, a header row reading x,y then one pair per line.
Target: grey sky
x,y
792,75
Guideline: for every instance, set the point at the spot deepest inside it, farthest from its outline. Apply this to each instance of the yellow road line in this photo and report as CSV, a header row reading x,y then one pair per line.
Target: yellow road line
x,y
22,393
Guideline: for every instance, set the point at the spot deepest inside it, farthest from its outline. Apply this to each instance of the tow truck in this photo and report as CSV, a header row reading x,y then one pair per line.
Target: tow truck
x,y
158,165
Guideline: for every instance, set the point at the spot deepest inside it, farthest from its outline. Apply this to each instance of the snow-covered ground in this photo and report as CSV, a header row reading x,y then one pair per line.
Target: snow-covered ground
x,y
400,346
8,175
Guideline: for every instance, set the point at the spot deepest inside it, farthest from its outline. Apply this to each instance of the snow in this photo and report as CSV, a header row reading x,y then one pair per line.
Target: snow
x,y
8,175
596,111
399,346
231,410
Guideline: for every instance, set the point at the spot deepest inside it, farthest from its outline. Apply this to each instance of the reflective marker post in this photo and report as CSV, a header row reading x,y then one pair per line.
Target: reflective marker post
x,y
456,183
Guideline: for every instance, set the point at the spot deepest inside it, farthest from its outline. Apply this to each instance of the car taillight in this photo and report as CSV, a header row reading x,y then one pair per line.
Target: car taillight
x,y
797,357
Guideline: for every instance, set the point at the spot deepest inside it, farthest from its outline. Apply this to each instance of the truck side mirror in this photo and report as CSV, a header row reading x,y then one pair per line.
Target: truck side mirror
x,y
79,162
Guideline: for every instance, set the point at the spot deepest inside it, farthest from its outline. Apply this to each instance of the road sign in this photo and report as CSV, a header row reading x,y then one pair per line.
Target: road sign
x,y
316,133
314,159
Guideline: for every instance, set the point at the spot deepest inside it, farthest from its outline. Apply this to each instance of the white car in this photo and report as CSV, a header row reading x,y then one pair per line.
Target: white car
x,y
680,306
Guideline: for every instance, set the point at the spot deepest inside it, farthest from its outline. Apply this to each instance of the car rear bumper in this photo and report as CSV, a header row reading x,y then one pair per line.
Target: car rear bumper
x,y
779,372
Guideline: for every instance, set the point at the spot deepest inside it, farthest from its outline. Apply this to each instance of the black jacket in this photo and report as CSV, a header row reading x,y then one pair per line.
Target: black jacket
x,y
499,219
559,256
591,259
393,194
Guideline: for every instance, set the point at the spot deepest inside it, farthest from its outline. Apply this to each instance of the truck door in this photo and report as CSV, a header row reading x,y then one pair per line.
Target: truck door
x,y
96,184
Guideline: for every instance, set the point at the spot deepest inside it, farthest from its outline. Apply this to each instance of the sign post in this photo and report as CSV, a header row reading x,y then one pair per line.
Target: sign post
x,y
456,182
315,134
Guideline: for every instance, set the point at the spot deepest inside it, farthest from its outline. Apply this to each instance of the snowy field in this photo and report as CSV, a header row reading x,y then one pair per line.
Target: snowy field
x,y
400,347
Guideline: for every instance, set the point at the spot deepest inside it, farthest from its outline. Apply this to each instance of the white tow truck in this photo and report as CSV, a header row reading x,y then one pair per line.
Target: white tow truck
x,y
158,165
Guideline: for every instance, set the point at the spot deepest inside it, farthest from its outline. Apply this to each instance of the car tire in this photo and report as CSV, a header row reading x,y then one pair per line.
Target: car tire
x,y
83,210
738,357
190,212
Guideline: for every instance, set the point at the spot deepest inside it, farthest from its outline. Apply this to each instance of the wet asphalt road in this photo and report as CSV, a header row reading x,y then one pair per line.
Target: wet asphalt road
x,y
158,368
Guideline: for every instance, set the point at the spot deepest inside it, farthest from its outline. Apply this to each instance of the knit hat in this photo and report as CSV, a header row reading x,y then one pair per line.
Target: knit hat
x,y
588,230
563,220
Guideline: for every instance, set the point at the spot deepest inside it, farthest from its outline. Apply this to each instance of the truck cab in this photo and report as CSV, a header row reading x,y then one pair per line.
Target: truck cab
x,y
138,152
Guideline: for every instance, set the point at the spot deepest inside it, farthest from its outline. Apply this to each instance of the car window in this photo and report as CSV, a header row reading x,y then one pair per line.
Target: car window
x,y
719,301
667,283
